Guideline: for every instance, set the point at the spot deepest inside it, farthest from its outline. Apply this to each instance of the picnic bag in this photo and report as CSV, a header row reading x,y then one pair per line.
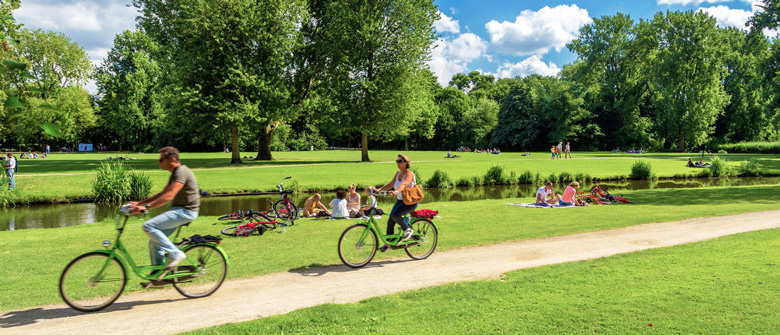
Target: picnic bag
x,y
412,195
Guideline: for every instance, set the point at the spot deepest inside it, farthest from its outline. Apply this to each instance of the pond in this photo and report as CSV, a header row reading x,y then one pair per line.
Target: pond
x,y
62,215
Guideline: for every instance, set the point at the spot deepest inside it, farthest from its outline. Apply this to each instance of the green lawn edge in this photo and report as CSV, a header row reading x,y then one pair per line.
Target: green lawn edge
x,y
31,260
728,285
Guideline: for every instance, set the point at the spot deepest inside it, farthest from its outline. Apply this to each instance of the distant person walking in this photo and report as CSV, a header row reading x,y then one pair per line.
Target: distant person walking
x,y
560,149
48,150
10,169
703,149
568,150
552,151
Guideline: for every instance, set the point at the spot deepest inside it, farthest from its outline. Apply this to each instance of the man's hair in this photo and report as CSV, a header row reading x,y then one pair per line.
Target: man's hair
x,y
341,194
549,183
170,152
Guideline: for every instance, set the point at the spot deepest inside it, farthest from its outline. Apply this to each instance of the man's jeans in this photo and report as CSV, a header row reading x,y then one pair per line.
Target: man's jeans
x,y
11,181
160,227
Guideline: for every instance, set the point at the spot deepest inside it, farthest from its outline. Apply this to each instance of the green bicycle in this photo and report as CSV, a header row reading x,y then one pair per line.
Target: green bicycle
x,y
95,280
358,243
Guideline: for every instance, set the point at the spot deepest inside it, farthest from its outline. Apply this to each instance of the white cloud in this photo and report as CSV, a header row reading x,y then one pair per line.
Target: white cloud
x,y
527,67
727,17
536,33
78,16
449,57
446,24
689,2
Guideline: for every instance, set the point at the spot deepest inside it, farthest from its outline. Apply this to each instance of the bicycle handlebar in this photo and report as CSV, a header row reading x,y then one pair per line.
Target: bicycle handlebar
x,y
126,207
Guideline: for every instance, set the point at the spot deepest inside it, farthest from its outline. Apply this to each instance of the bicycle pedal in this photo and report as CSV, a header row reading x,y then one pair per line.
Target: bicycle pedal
x,y
186,268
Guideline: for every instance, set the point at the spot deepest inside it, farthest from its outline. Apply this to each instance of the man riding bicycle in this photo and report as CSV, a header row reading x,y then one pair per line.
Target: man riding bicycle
x,y
182,189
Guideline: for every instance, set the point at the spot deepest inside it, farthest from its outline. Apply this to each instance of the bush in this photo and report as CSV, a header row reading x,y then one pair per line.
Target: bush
x,y
720,168
114,183
418,176
722,152
641,170
140,186
526,177
440,179
751,147
553,178
750,168
465,181
495,176
565,177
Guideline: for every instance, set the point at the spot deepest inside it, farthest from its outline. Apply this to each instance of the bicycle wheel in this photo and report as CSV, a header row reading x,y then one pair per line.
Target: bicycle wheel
x,y
425,237
92,281
264,220
282,213
357,246
212,269
229,217
240,230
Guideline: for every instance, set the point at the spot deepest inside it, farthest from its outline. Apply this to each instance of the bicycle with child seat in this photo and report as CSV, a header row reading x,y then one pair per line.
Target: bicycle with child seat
x,y
95,280
284,208
358,243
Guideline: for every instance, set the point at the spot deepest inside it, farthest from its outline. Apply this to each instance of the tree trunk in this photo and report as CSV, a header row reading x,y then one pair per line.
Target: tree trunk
x,y
364,149
681,143
235,149
264,141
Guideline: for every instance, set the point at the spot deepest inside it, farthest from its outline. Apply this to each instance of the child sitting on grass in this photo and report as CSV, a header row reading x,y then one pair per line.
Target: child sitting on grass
x,y
339,205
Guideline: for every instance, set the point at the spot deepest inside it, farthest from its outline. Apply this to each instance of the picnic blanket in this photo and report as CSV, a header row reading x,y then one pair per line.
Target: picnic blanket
x,y
538,206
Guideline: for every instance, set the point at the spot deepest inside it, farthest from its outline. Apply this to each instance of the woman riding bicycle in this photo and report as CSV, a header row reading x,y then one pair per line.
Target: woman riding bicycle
x,y
402,179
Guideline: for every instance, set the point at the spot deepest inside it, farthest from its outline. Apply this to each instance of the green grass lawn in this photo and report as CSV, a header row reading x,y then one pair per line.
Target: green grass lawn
x,y
729,285
65,177
31,260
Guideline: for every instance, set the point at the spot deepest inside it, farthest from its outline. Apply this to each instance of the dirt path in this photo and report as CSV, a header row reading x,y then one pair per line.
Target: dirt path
x,y
166,312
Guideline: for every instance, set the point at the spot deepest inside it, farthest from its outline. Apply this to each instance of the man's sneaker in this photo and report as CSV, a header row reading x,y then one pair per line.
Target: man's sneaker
x,y
175,261
384,248
407,234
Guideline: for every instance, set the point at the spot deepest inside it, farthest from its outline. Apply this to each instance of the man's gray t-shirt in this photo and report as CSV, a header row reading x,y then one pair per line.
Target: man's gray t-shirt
x,y
189,196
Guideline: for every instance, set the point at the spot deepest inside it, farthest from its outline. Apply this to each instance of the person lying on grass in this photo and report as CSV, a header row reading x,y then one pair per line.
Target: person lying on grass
x,y
544,192
313,207
567,199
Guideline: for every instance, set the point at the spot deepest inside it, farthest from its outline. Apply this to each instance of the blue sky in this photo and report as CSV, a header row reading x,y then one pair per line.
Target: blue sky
x,y
499,37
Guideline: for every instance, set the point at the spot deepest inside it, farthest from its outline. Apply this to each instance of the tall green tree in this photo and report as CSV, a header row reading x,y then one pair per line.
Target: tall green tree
x,y
687,76
453,105
767,17
518,124
383,45
232,60
129,83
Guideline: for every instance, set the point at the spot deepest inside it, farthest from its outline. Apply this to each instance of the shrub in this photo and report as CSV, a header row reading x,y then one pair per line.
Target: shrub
x,y
750,168
565,177
440,179
512,180
751,147
538,178
495,176
641,170
526,177
553,178
720,168
114,183
465,181
722,152
476,181
140,186
111,183
420,178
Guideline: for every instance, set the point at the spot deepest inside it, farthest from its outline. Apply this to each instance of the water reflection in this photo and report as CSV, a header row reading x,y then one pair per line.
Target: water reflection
x,y
61,215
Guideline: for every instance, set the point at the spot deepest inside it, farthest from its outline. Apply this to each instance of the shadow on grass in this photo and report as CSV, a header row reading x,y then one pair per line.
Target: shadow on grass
x,y
316,269
31,316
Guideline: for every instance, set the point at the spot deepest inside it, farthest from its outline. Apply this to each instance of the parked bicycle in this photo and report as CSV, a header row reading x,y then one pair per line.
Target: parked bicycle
x,y
358,243
252,216
285,209
95,280
258,223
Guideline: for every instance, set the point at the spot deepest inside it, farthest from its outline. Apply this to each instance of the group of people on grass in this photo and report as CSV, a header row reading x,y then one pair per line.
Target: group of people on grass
x,y
347,204
558,150
545,196
698,164
31,155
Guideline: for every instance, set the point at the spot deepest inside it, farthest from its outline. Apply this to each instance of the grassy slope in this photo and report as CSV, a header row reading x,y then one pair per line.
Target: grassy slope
x,y
730,285
310,242
324,169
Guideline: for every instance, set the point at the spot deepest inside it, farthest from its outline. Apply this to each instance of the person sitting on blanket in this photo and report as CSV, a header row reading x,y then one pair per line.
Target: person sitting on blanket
x,y
370,203
339,205
543,192
567,199
353,202
313,207
690,163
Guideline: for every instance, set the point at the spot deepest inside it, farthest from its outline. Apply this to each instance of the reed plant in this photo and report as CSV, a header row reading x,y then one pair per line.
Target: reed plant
x,y
440,179
526,177
750,168
642,170
495,176
114,182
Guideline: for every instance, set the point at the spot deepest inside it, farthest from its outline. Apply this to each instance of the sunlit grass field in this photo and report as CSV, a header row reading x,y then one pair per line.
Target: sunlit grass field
x,y
31,260
68,176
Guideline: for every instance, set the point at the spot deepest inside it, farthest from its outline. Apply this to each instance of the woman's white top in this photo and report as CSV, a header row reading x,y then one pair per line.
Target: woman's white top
x,y
398,183
371,201
355,199
339,207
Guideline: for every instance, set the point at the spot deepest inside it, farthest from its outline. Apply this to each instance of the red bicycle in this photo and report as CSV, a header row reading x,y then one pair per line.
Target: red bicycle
x,y
258,223
285,209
